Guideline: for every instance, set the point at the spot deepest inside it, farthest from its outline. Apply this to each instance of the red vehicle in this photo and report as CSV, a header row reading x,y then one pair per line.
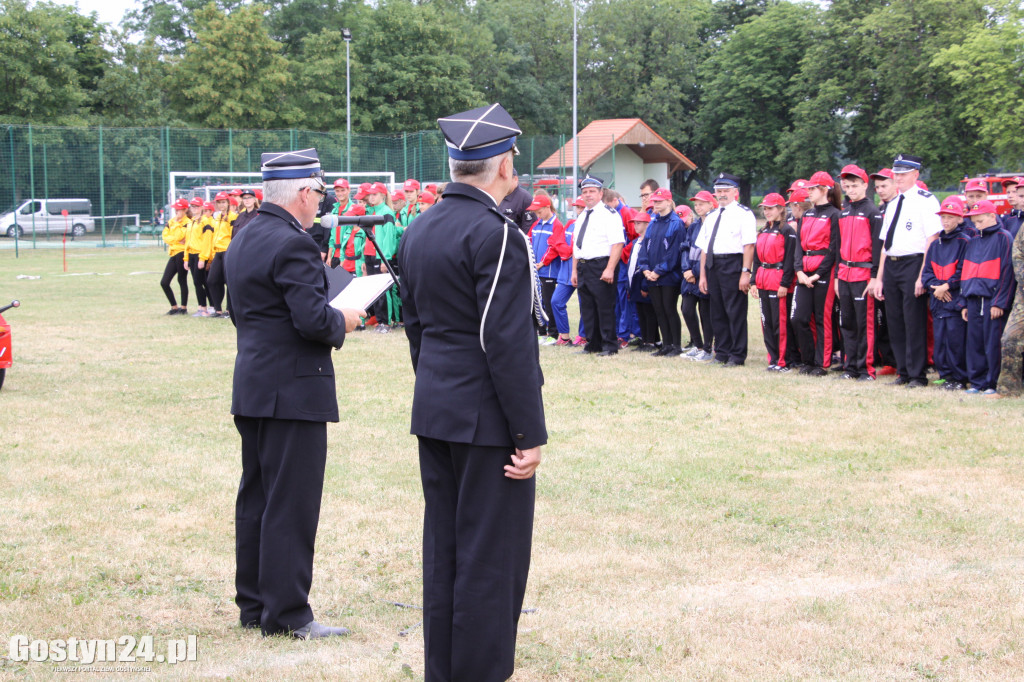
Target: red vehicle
x,y
5,342
996,191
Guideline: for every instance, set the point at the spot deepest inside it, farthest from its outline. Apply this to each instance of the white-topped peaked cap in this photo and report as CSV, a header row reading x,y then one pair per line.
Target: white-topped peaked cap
x,y
304,163
479,133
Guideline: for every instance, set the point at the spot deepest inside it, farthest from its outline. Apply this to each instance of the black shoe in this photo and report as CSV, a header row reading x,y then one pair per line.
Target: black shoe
x,y
784,370
663,351
648,347
585,351
917,383
636,342
952,386
674,352
865,377
806,369
900,381
314,630
733,363
818,372
606,353
172,311
182,311
847,375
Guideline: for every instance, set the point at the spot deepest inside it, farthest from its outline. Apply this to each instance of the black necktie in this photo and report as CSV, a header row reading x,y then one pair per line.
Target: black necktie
x,y
583,229
709,257
892,224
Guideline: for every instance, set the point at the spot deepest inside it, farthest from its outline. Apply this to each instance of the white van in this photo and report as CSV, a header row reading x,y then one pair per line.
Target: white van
x,y
44,215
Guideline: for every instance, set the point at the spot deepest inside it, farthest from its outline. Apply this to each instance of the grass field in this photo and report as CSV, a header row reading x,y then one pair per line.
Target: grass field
x,y
692,522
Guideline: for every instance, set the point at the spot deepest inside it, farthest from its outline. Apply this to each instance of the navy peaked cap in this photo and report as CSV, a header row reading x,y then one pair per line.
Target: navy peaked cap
x,y
591,181
904,163
479,133
727,180
291,165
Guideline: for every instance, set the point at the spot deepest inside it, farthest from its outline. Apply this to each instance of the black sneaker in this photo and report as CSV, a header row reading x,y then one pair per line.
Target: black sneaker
x,y
917,383
952,386
172,311
806,369
865,377
818,372
847,375
784,370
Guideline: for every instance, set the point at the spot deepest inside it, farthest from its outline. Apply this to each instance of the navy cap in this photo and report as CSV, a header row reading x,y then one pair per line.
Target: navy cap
x,y
591,181
727,180
291,165
904,163
479,133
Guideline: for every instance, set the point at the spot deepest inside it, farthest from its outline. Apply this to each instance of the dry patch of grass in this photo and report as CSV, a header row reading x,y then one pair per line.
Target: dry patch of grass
x,y
692,522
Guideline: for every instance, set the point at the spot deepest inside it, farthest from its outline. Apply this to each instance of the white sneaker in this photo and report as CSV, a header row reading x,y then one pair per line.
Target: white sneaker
x,y
693,352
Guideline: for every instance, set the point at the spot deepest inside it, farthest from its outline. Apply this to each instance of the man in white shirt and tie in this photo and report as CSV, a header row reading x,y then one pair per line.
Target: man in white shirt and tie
x,y
597,245
910,224
726,239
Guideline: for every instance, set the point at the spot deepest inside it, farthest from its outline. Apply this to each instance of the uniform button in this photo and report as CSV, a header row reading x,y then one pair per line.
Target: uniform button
x,y
319,369
520,436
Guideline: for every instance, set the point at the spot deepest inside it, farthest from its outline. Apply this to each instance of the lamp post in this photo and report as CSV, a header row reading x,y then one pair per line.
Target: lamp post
x,y
575,141
347,35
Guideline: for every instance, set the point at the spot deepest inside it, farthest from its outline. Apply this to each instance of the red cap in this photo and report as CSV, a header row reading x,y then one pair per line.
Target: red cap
x,y
426,198
411,185
854,170
703,195
356,210
197,201
208,206
775,199
982,207
180,204
797,184
360,194
798,196
539,201
341,183
235,192
683,211
641,216
432,188
233,200
883,173
221,196
921,185
365,186
821,179
976,185
952,205
398,196
1013,181
579,203
378,188
661,194
259,194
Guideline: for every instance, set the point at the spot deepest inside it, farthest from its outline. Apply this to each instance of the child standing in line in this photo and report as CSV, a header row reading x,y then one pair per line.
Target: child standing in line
x,y
943,266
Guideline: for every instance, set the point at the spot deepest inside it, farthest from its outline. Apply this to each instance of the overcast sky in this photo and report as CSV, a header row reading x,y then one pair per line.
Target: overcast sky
x,y
109,11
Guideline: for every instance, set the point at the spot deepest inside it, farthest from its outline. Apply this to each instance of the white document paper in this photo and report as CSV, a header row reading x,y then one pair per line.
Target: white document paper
x,y
361,292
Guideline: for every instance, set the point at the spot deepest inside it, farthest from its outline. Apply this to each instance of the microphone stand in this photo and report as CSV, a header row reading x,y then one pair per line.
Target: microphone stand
x,y
387,265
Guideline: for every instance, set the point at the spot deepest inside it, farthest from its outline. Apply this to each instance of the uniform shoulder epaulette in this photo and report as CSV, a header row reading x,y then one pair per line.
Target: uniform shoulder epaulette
x,y
745,208
925,193
610,209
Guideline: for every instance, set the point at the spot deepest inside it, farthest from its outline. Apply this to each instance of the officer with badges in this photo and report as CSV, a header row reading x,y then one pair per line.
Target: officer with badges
x,y
597,246
283,395
910,224
727,239
469,291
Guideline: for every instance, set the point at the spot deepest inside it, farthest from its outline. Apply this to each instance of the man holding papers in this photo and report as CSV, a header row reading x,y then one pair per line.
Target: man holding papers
x,y
469,293
283,395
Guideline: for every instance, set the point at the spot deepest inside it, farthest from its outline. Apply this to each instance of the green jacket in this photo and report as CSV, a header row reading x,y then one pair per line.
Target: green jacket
x,y
387,234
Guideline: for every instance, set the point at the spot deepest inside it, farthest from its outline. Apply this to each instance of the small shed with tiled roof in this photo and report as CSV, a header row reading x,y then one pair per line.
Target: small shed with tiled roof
x,y
625,152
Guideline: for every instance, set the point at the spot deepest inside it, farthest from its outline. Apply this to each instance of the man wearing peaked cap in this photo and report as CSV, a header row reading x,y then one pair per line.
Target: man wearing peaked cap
x,y
910,223
283,395
469,291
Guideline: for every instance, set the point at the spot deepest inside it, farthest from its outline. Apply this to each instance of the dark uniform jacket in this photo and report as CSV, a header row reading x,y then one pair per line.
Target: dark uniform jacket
x,y
286,328
448,265
514,207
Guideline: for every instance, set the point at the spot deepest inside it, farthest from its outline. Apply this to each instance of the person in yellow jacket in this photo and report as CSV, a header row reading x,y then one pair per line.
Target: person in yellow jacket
x,y
223,227
174,237
199,250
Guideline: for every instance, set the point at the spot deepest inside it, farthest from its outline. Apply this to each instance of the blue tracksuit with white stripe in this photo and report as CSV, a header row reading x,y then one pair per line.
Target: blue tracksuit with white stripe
x,y
943,264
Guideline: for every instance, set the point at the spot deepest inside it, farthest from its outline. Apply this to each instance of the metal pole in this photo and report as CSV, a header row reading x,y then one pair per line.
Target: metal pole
x,y
14,190
103,200
32,182
46,184
152,187
348,110
405,154
575,122
231,151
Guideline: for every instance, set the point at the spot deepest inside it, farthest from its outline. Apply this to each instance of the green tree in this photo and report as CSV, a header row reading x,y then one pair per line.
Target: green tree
x,y
746,108
39,63
131,91
320,82
986,72
233,75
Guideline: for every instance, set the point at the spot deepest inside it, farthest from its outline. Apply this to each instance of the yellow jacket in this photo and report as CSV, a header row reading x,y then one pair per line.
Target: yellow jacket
x,y
174,235
200,238
222,231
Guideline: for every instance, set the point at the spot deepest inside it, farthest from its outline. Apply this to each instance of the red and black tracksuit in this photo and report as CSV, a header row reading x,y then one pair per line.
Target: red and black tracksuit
x,y
858,223
943,264
987,281
773,268
818,245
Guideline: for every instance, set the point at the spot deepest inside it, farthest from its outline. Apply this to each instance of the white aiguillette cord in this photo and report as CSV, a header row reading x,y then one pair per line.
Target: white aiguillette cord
x,y
535,298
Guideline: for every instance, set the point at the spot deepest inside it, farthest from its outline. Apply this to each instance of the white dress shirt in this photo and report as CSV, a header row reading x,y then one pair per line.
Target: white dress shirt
x,y
737,229
916,223
604,230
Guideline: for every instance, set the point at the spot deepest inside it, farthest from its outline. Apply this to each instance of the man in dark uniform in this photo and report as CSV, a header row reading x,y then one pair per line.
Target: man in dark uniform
x,y
516,207
283,395
468,291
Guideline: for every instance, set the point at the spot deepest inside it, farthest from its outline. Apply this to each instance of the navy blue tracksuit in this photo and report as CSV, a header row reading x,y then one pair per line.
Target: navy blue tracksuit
x,y
943,265
987,281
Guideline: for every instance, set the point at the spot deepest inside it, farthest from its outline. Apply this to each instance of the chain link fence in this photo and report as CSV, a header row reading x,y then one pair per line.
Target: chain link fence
x,y
124,173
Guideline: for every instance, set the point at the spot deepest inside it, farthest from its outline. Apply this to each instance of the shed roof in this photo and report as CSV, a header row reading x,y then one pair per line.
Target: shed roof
x,y
599,137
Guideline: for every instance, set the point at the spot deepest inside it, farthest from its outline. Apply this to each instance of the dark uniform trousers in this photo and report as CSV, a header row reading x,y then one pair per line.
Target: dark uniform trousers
x,y
907,315
812,313
484,521
950,347
984,343
198,278
856,320
597,299
276,517
728,308
774,327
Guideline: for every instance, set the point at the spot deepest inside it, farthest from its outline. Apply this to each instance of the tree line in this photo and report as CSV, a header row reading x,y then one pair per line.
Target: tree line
x,y
769,90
